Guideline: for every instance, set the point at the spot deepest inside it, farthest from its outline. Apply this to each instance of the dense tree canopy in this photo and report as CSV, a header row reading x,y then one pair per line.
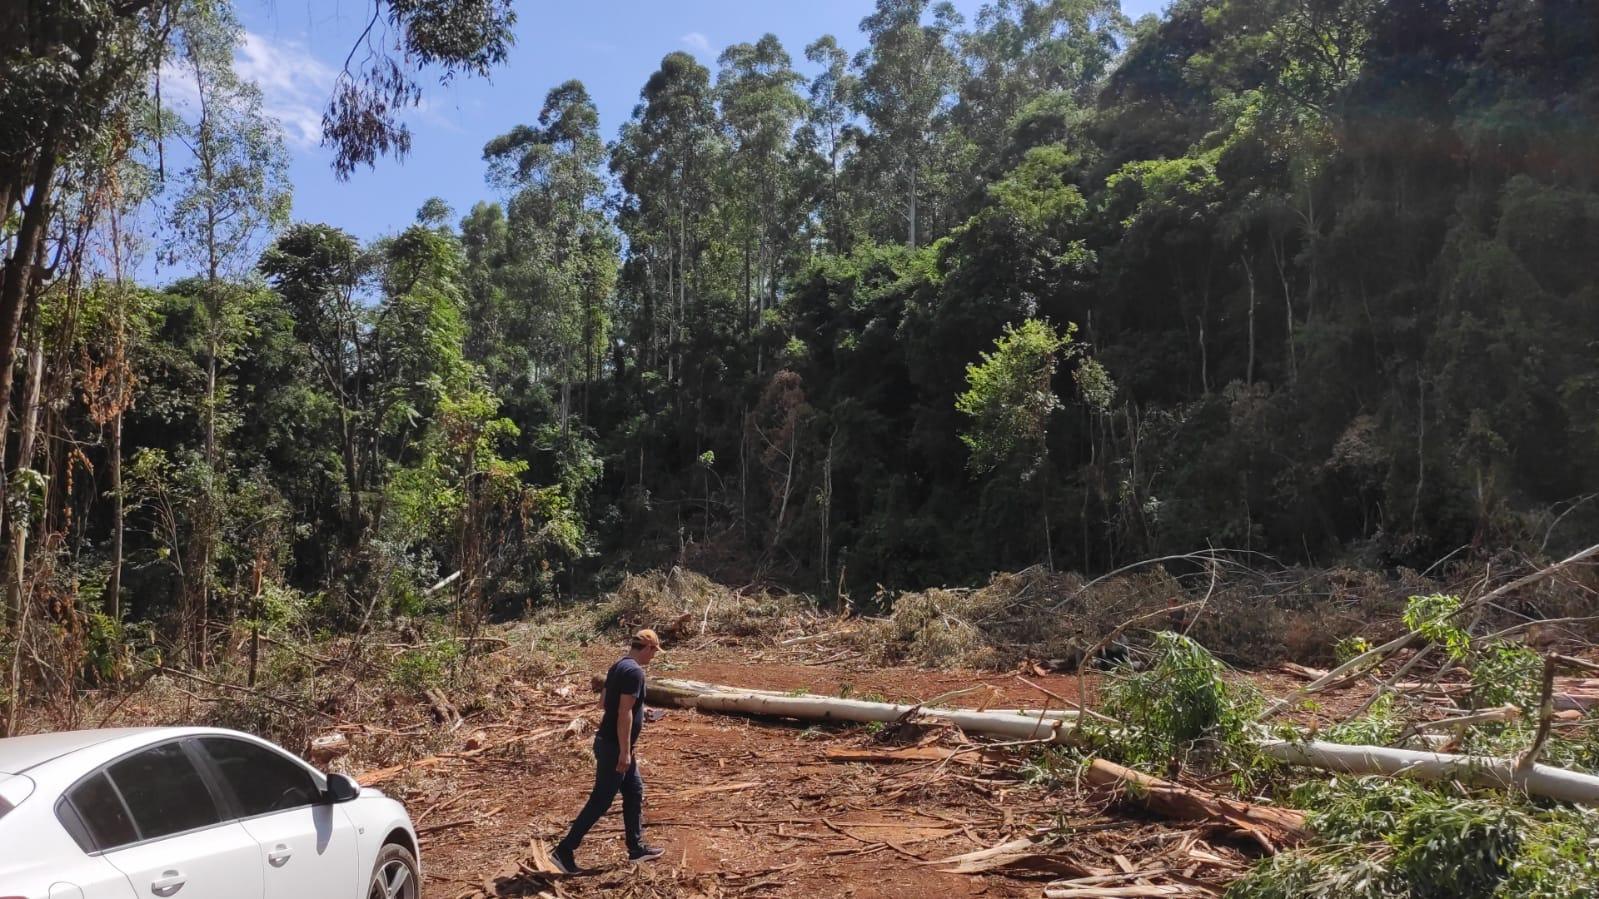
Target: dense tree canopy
x,y
1313,278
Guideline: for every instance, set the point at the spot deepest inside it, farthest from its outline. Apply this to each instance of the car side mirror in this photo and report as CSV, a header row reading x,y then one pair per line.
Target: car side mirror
x,y
341,789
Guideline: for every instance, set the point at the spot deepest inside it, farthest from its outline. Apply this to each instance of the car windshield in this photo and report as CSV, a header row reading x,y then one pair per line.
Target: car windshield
x,y
13,789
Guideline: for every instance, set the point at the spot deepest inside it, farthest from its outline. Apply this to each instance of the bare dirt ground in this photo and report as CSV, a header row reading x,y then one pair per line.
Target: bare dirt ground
x,y
750,807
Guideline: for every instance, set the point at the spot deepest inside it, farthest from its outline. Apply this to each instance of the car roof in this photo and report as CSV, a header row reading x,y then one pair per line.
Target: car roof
x,y
20,754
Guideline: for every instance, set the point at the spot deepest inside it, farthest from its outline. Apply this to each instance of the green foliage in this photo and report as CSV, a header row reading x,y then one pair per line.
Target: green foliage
x,y
1433,617
1009,395
1398,839
1507,674
1349,648
1379,726
1052,767
1179,710
425,668
1557,858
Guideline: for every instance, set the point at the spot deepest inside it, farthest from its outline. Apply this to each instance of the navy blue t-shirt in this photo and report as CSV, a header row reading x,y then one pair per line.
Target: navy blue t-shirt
x,y
626,678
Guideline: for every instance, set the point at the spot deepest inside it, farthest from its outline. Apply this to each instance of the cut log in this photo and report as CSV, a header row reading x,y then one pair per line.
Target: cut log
x,y
1303,671
443,710
715,698
1270,826
1538,780
324,749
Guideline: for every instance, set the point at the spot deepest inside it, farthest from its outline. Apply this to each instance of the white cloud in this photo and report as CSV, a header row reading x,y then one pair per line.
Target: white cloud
x,y
295,87
294,84
697,41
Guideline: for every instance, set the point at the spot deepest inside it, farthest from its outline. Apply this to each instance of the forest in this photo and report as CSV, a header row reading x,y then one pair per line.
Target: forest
x,y
1311,280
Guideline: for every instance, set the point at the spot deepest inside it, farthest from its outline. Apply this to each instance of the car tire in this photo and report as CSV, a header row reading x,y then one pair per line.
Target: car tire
x,y
394,875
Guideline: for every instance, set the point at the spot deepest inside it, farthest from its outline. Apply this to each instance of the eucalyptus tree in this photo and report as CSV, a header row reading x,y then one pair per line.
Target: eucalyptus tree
x,y
828,129
1032,69
320,272
559,263
231,193
757,90
666,159
906,77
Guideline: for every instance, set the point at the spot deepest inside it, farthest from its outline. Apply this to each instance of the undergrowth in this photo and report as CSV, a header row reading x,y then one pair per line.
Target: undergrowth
x,y
1390,838
1381,838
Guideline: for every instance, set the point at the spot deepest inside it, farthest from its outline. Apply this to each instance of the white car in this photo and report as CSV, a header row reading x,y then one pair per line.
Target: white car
x,y
197,813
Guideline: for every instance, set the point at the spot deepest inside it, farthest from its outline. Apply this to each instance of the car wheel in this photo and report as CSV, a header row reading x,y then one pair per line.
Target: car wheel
x,y
394,875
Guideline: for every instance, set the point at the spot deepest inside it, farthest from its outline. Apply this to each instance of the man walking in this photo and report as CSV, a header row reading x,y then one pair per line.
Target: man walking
x,y
615,768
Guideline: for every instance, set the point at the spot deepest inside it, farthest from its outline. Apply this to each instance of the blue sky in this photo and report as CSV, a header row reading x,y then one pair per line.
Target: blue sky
x,y
293,48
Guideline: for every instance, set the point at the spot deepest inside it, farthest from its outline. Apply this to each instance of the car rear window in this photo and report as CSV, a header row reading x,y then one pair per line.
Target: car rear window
x,y
102,812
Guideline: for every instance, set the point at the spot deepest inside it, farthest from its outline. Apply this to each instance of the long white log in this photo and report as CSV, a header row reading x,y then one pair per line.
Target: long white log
x,y
826,708
720,698
1539,780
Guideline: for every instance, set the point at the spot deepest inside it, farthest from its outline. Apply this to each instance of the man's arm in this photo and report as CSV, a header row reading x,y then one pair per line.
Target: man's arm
x,y
624,731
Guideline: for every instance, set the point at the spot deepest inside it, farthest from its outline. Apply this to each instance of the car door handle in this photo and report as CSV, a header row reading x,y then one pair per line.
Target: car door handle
x,y
168,883
279,856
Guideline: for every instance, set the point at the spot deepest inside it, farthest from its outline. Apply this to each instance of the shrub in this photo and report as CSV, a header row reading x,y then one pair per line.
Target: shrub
x,y
422,669
1180,709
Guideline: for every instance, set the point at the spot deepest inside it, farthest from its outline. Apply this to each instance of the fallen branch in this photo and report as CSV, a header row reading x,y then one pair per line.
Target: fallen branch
x,y
381,775
1020,854
445,582
1487,716
1137,891
1546,715
1372,657
1270,826
906,754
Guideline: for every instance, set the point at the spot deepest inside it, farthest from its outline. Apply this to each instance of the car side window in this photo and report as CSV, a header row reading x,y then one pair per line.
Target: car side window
x,y
262,780
164,792
100,809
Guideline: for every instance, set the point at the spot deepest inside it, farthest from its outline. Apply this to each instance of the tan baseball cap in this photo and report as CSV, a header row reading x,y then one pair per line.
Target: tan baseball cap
x,y
646,637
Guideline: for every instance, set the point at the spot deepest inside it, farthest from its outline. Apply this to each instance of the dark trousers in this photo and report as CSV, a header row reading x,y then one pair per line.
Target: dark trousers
x,y
607,783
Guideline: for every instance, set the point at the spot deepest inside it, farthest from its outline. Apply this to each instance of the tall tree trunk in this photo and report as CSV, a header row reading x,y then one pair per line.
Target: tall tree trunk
x,y
351,478
114,585
19,517
911,240
1278,252
1249,273
17,275
827,511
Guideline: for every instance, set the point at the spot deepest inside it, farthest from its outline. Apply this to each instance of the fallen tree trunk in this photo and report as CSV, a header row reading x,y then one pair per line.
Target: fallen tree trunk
x,y
1272,827
712,698
1538,780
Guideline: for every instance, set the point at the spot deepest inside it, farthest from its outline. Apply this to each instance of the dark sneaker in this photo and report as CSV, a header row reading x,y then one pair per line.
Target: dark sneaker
x,y
563,859
645,854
